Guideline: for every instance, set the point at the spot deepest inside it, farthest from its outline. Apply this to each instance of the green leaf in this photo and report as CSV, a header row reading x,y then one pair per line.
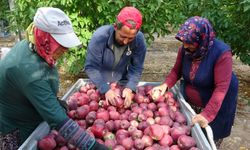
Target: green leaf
x,y
159,16
246,8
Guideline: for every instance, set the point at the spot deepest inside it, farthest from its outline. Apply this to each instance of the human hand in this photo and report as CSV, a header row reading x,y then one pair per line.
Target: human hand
x,y
110,97
128,95
158,91
202,121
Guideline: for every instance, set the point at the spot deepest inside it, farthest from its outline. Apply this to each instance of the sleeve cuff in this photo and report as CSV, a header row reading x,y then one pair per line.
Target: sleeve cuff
x,y
169,85
209,118
104,88
131,86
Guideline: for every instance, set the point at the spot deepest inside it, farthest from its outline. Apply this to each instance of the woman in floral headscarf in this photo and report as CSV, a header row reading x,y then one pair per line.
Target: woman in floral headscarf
x,y
209,85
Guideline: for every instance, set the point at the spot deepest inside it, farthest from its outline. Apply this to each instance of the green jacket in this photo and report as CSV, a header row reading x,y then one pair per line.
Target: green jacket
x,y
28,89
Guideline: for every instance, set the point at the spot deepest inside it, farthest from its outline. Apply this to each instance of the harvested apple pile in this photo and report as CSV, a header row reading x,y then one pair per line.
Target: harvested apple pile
x,y
148,124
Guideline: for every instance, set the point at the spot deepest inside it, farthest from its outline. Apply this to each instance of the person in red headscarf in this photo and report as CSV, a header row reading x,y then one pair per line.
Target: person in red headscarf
x,y
116,53
29,83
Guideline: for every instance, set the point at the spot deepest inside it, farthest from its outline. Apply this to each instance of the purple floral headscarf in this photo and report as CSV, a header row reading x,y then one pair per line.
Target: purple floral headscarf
x,y
199,32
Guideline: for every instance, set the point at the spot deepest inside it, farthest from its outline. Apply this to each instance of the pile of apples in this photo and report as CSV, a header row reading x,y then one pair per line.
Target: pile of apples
x,y
147,124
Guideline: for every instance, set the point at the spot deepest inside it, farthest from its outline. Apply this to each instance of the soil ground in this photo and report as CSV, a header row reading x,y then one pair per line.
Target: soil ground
x,y
159,60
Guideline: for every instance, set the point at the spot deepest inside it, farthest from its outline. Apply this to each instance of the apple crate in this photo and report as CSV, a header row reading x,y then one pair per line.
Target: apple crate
x,y
43,129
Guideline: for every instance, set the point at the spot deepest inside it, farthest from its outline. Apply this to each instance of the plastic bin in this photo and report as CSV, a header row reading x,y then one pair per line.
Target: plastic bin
x,y
31,142
43,129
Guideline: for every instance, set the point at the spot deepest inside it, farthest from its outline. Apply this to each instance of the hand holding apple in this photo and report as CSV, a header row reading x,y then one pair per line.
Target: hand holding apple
x,y
110,97
158,91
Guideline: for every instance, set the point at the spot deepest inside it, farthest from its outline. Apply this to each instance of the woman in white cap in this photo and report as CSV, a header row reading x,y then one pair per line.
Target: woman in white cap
x,y
29,83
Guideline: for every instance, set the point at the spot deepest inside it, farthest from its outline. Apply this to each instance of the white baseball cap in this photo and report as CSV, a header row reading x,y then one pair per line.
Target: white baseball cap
x,y
58,24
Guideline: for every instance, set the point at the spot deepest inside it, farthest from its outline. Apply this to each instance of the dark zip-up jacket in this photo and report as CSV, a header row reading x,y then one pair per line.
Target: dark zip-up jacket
x,y
28,89
100,59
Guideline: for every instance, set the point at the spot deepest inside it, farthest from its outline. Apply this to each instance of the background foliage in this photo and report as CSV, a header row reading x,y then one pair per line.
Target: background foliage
x,y
3,15
3,6
230,18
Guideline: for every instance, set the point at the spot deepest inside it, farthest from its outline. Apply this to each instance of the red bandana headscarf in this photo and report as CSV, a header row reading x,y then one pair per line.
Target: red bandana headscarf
x,y
130,13
46,45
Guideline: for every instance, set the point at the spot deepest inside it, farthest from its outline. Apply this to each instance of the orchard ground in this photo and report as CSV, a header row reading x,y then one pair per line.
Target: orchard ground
x,y
160,58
